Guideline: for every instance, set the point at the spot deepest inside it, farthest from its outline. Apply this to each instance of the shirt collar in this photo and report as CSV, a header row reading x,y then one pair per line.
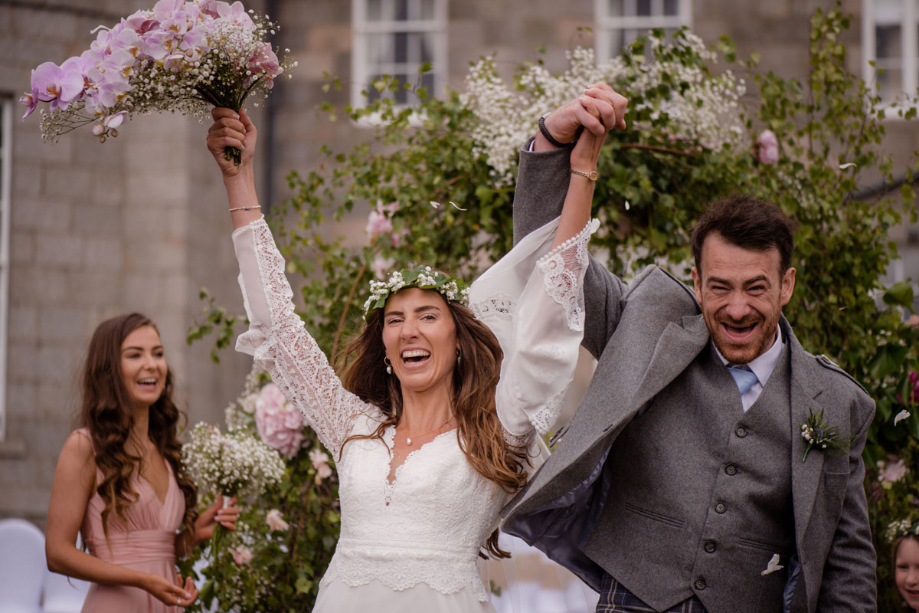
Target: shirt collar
x,y
763,365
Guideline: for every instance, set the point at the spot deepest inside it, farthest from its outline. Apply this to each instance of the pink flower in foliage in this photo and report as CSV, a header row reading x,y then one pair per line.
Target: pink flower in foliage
x,y
319,460
380,219
275,520
767,147
278,423
914,381
891,471
242,555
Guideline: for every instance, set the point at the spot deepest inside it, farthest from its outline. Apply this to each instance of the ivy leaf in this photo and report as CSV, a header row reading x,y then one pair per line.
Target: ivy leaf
x,y
888,360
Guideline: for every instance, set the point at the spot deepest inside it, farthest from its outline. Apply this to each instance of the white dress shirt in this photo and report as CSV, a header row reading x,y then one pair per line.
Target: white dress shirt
x,y
762,366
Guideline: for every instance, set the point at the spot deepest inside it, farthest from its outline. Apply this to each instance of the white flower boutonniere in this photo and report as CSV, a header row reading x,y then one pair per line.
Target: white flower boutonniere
x,y
822,436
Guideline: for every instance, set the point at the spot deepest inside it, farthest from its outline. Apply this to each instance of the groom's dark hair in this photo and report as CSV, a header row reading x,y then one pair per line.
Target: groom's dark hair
x,y
749,223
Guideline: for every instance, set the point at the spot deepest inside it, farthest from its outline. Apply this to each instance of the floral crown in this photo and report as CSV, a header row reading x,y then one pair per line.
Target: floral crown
x,y
903,527
423,277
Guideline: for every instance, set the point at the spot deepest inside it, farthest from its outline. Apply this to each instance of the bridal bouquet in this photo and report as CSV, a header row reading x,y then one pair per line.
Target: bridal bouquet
x,y
181,56
233,464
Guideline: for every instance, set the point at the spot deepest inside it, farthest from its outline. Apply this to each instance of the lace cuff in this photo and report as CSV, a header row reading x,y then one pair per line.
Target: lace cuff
x,y
563,269
280,344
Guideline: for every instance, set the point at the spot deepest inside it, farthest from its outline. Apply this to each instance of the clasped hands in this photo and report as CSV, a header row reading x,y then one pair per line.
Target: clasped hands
x,y
599,109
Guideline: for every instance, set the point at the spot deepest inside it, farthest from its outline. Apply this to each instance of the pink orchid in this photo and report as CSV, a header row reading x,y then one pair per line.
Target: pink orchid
x,y
141,22
236,13
242,555
30,101
767,147
58,85
265,61
165,9
113,121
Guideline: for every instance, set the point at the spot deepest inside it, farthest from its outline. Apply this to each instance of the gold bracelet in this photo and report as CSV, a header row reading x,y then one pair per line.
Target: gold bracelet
x,y
592,175
245,208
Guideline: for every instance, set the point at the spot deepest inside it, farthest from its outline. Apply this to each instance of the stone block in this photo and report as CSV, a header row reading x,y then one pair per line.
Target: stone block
x,y
22,247
26,182
60,325
50,25
329,37
143,292
23,324
23,366
67,184
20,399
313,64
40,214
30,149
58,363
155,256
104,254
59,250
95,221
107,192
146,188
57,400
89,289
35,285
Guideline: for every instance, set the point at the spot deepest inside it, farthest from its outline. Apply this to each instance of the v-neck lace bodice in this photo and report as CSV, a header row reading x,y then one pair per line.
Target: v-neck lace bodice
x,y
427,525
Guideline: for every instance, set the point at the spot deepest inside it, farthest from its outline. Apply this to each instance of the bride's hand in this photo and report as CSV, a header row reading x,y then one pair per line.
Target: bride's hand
x,y
231,129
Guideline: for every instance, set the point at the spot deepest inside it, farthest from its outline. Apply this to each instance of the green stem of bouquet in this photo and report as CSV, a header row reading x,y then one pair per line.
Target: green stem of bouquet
x,y
231,102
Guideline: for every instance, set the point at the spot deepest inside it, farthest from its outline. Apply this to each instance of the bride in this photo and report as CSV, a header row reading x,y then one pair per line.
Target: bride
x,y
432,431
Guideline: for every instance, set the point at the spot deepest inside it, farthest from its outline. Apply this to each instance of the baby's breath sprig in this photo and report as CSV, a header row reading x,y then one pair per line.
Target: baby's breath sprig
x,y
822,436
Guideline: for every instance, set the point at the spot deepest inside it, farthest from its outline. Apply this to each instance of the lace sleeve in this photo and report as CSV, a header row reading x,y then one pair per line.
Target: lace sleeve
x,y
533,300
279,342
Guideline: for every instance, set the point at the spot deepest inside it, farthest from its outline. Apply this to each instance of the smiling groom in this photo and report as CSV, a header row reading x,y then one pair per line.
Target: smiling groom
x,y
681,483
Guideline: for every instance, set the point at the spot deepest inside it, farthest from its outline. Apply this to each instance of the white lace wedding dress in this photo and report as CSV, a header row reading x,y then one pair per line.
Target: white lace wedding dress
x,y
412,545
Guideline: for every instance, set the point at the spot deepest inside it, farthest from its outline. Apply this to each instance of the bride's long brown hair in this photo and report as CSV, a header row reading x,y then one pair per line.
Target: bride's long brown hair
x,y
107,412
475,377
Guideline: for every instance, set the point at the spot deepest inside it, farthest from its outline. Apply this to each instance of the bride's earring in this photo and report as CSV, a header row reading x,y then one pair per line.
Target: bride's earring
x,y
459,357
388,366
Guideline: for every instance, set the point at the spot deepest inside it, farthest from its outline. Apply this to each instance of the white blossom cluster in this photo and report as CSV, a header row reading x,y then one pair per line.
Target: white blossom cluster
x,y
240,413
424,278
814,436
706,112
233,464
904,527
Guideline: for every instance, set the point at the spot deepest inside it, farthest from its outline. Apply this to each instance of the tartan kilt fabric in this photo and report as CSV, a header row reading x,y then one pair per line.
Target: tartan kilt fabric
x,y
614,598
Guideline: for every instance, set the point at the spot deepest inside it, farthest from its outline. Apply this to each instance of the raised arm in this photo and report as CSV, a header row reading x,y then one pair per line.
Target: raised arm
x,y
277,337
544,183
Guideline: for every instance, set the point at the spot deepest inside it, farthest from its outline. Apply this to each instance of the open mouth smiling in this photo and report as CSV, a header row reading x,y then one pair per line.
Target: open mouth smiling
x,y
739,333
415,356
148,383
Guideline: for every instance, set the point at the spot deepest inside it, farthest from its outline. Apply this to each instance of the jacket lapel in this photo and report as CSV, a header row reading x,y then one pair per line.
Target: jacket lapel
x,y
805,476
676,348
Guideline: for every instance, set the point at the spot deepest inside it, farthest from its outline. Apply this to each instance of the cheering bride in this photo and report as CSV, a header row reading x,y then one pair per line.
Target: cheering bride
x,y
432,431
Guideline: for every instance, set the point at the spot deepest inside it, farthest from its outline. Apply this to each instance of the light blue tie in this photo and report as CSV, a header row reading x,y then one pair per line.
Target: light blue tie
x,y
743,376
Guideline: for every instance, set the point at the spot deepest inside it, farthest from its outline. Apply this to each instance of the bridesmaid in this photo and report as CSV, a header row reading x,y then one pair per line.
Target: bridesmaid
x,y
120,481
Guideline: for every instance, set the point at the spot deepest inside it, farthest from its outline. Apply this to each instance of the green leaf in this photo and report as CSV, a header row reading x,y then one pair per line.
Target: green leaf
x,y
888,360
899,294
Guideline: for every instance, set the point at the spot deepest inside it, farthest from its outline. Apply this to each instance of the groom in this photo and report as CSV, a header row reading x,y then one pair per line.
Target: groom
x,y
680,484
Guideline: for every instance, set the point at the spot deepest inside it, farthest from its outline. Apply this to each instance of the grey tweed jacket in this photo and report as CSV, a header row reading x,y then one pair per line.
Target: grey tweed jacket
x,y
644,335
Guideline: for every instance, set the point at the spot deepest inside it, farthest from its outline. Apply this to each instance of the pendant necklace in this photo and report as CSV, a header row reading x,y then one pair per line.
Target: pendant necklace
x,y
408,439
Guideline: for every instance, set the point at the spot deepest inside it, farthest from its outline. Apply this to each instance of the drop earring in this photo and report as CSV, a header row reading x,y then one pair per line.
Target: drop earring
x,y
388,366
459,357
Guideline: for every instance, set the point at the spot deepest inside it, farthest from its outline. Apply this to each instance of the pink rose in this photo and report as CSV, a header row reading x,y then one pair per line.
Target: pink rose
x,y
242,555
278,423
767,147
275,520
891,471
319,460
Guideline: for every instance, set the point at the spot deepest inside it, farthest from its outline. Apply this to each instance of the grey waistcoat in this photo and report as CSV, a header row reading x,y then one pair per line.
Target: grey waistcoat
x,y
701,494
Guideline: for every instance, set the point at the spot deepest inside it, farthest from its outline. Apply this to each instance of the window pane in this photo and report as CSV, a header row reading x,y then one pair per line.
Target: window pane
x,y
888,12
401,10
890,83
425,43
401,47
374,10
643,8
427,9
615,8
671,7
888,42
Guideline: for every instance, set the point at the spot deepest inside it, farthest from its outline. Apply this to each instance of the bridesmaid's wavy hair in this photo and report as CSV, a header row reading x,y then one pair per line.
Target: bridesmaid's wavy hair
x,y
107,413
475,377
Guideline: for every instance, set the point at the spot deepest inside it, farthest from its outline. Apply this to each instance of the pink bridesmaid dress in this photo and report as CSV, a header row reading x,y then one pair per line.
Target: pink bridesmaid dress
x,y
147,544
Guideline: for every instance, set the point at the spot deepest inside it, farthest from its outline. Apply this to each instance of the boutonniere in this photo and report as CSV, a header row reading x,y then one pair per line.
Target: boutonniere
x,y
822,436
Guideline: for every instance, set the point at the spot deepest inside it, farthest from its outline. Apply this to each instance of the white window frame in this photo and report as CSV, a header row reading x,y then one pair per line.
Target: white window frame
x,y
909,47
605,24
362,29
6,176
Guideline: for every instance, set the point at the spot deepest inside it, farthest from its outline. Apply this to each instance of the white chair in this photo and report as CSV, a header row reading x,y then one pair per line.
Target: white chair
x,y
22,566
64,594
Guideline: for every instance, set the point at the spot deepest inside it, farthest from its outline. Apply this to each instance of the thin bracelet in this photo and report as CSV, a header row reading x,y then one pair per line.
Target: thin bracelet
x,y
552,140
245,208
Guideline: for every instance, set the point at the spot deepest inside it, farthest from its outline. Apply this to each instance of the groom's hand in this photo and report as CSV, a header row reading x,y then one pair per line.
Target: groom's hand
x,y
598,110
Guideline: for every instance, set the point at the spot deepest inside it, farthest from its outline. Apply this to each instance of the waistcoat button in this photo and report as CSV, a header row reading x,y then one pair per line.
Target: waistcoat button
x,y
700,584
710,546
740,432
720,507
730,469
